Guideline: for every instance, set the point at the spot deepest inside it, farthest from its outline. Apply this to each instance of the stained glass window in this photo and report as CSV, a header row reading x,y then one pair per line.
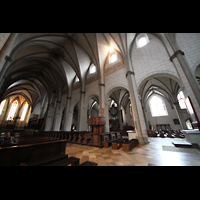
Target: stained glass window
x,y
2,105
12,110
24,112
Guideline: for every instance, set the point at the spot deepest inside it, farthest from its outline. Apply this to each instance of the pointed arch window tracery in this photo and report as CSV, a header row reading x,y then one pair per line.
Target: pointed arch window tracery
x,y
12,110
24,112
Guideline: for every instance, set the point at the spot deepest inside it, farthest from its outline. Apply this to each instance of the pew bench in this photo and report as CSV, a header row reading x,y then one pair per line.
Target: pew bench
x,y
88,163
16,154
106,144
45,160
129,145
24,142
118,143
64,162
87,138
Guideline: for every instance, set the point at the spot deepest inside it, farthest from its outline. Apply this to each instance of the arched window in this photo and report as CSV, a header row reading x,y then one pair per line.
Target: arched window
x,y
181,100
24,112
77,79
113,57
2,105
92,69
157,107
12,110
142,40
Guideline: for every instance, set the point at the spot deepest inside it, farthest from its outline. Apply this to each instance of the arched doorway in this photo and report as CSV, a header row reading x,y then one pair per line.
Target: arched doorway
x,y
119,111
75,124
93,108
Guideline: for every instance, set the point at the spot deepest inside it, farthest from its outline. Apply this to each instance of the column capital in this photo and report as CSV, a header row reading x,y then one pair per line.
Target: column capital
x,y
176,103
101,84
176,53
129,72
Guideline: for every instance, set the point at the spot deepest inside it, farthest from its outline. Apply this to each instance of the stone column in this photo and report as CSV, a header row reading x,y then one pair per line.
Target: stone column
x,y
180,115
120,117
139,120
57,117
7,46
107,129
102,100
191,79
82,113
67,116
50,112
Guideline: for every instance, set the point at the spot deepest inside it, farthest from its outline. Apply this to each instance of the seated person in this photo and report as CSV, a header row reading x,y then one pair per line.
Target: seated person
x,y
8,139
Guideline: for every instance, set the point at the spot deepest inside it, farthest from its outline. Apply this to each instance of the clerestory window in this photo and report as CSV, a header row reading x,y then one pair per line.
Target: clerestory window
x,y
181,100
92,69
142,40
113,57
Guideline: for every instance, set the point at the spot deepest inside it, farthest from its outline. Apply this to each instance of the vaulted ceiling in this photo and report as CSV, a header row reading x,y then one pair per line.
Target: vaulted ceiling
x,y
49,62
163,86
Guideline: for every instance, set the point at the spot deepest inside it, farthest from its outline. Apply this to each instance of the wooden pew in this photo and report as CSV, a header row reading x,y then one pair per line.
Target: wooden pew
x,y
66,161
45,160
13,155
87,138
118,143
88,163
112,138
130,144
29,141
81,138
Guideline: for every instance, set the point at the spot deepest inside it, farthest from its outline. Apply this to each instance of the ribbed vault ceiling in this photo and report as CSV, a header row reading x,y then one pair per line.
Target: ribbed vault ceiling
x,y
49,62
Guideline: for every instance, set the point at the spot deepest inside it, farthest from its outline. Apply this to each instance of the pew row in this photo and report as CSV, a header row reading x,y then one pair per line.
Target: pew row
x,y
16,154
118,143
129,145
82,137
58,160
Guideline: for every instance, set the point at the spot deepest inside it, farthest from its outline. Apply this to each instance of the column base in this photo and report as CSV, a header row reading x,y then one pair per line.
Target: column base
x,y
143,140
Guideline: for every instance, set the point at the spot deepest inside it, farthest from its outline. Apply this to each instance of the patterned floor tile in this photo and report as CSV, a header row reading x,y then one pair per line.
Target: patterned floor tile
x,y
159,152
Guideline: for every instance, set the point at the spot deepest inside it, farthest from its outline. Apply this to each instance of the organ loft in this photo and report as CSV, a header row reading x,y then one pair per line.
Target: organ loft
x,y
99,99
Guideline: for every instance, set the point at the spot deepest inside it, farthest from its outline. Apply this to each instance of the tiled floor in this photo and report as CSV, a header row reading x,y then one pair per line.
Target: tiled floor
x,y
160,151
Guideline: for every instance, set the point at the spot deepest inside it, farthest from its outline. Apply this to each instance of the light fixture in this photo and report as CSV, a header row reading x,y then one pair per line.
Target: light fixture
x,y
110,48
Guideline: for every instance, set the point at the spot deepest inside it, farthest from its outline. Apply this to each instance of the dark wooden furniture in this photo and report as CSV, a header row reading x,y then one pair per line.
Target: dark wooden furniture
x,y
118,143
87,138
16,154
128,145
126,128
66,161
88,163
112,138
45,160
163,127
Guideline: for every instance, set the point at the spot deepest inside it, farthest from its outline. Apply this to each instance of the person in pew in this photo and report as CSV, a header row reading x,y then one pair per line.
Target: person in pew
x,y
8,139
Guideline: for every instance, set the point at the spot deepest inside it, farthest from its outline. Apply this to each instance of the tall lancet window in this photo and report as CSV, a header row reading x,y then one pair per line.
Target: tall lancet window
x,y
157,107
24,112
2,105
181,100
12,110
